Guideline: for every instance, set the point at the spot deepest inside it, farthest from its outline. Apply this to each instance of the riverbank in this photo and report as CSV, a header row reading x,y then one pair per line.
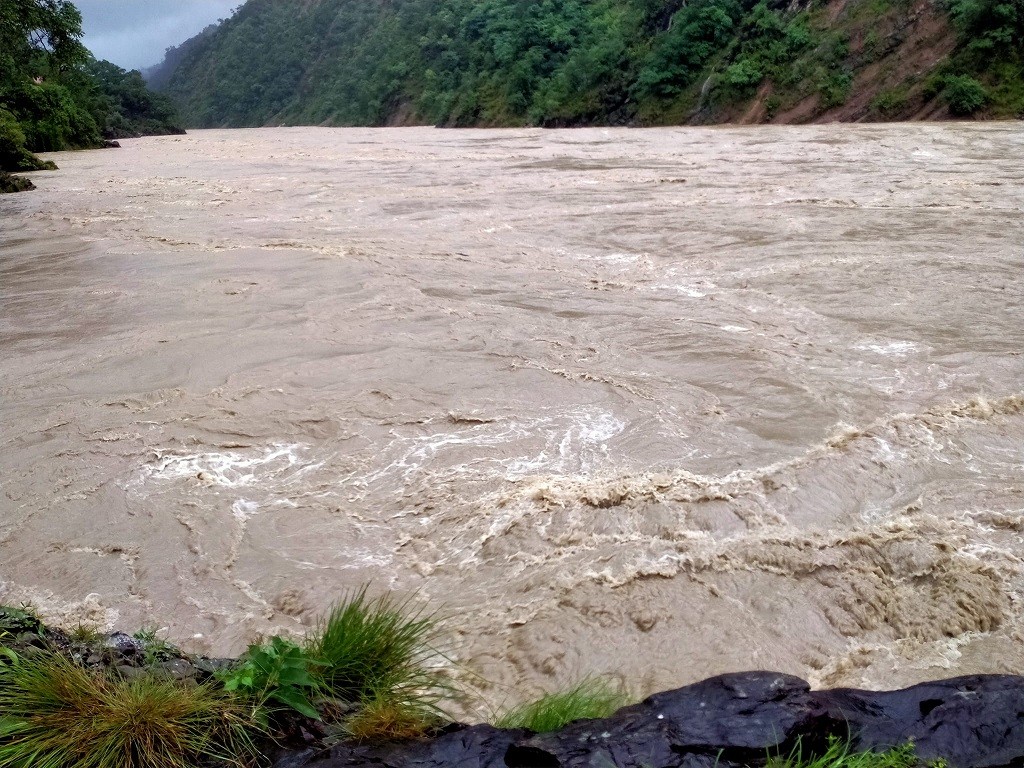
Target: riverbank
x,y
265,709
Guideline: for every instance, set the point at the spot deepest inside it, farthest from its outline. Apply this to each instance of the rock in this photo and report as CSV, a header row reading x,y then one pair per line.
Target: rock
x,y
211,666
971,722
123,644
295,759
130,673
476,746
730,719
179,669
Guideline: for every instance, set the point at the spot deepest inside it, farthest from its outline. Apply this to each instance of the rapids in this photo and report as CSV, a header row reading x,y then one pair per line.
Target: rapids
x,y
655,403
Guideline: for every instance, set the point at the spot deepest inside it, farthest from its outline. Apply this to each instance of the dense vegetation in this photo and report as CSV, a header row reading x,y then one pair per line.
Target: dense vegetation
x,y
571,62
55,96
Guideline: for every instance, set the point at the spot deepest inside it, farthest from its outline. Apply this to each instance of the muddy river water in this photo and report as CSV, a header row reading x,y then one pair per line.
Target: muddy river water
x,y
659,403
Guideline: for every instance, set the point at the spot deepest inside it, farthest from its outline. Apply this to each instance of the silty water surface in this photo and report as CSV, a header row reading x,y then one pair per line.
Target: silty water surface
x,y
661,403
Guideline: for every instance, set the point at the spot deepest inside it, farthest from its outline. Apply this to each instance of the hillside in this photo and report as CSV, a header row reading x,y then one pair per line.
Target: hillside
x,y
574,62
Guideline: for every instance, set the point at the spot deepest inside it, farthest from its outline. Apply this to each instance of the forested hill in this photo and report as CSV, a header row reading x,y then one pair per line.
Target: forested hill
x,y
575,62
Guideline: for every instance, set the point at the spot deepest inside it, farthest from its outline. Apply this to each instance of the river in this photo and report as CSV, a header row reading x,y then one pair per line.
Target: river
x,y
654,403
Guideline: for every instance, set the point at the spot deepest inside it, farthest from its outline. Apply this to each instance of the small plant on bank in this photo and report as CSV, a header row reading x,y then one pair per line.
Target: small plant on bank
x,y
593,698
377,655
278,672
14,621
154,648
840,755
55,714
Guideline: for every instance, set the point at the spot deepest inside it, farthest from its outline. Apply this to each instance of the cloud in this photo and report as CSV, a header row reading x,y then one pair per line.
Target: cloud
x,y
135,33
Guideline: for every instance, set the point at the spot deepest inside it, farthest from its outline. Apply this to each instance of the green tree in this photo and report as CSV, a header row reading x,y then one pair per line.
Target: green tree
x,y
40,56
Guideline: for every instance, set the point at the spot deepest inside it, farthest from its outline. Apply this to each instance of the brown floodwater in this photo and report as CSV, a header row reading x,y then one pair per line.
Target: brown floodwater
x,y
655,403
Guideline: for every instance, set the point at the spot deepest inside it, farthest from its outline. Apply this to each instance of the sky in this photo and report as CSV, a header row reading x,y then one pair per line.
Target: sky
x,y
135,33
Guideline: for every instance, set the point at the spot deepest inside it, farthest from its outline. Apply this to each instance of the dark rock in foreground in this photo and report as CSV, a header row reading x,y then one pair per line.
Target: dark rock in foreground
x,y
734,720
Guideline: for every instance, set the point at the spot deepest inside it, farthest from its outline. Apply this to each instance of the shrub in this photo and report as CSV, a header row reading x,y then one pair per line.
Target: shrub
x,y
10,183
277,671
835,88
593,698
890,102
372,649
55,714
964,94
743,76
14,156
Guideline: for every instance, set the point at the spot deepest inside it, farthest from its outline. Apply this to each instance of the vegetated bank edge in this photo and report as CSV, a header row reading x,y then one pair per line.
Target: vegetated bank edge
x,y
54,95
366,688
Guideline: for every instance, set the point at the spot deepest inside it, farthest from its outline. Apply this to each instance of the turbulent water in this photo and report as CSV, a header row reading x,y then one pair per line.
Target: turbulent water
x,y
659,403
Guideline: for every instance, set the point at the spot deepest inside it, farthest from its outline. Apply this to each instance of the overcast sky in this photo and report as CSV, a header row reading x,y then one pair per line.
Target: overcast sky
x,y
135,33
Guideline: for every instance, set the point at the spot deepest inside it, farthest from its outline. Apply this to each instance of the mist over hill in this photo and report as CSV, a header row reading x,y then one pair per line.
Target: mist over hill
x,y
578,62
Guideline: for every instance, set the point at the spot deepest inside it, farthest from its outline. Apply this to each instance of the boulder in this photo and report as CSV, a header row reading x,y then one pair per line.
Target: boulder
x,y
726,720
971,722
476,746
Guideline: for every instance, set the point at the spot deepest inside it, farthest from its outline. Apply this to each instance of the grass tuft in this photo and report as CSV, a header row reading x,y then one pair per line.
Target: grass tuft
x,y
839,755
379,649
593,698
55,714
387,717
86,635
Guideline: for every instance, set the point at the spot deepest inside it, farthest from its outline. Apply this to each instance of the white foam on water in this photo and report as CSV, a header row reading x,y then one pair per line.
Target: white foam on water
x,y
889,349
271,469
624,261
677,283
573,441
243,509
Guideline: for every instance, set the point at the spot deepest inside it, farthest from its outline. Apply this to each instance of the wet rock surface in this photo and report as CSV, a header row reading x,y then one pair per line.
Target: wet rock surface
x,y
735,720
968,721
